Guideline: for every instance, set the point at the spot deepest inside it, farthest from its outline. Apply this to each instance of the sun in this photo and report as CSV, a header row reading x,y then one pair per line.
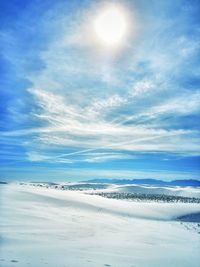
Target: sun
x,y
110,26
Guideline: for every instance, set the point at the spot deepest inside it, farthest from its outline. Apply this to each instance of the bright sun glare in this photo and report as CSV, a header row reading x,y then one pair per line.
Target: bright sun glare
x,y
111,26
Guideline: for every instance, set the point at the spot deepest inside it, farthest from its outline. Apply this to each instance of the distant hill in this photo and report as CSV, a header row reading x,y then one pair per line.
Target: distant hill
x,y
1,182
188,182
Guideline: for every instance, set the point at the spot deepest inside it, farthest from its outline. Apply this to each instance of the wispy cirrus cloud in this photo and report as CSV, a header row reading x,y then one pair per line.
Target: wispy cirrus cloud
x,y
78,105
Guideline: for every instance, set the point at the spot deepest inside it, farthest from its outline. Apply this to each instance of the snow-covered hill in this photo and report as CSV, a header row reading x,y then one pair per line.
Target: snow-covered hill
x,y
173,191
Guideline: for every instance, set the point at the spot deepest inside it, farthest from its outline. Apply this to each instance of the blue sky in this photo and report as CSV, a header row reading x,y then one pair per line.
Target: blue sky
x,y
71,109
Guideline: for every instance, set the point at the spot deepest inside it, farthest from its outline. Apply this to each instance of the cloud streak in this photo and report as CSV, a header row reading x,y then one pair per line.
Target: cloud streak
x,y
75,104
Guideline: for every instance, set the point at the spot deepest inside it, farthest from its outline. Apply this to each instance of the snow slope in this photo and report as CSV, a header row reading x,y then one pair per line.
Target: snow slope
x,y
48,227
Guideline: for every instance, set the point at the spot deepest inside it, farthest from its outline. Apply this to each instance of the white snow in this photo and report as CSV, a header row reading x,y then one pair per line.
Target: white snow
x,y
48,227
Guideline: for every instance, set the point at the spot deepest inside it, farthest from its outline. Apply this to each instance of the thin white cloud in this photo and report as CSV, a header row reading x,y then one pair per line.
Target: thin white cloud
x,y
85,103
69,126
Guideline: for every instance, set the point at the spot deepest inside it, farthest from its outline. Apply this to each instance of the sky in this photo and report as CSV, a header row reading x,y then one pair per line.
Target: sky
x,y
72,108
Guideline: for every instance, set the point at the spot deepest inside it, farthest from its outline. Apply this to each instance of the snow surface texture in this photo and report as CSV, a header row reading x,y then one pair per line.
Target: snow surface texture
x,y
48,227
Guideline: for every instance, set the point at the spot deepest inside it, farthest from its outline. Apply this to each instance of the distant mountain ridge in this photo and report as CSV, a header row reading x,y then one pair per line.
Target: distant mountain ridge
x,y
2,182
189,182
